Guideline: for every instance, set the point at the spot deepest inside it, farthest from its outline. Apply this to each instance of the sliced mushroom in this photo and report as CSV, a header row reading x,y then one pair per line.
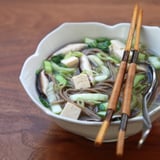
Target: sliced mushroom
x,y
86,67
89,51
117,48
42,83
71,47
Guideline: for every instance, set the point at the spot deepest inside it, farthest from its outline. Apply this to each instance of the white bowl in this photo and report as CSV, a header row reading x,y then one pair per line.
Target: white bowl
x,y
75,32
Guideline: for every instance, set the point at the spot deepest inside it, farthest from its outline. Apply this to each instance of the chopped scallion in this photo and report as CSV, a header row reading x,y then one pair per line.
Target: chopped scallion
x,y
47,67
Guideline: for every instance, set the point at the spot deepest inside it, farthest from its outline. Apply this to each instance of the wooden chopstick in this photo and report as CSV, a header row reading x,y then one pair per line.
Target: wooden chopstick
x,y
119,80
128,89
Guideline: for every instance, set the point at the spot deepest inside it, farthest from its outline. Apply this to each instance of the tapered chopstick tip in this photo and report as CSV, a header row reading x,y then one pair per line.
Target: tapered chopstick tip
x,y
120,143
101,133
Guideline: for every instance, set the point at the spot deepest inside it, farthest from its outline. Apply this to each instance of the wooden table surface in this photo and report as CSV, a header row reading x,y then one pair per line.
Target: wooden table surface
x,y
26,133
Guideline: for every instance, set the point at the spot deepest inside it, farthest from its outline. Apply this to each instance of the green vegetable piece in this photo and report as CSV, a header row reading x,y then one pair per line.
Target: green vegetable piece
x,y
118,106
103,107
38,71
134,100
47,67
44,102
155,61
101,114
63,70
113,59
91,42
61,79
102,39
89,97
101,43
73,53
104,46
138,78
56,109
105,57
57,59
142,57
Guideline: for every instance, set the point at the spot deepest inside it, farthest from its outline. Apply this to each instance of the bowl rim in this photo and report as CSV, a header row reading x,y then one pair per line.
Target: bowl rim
x,y
132,120
65,24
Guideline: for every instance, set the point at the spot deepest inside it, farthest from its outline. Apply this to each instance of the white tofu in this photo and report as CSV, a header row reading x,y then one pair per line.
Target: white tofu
x,y
81,81
70,62
71,111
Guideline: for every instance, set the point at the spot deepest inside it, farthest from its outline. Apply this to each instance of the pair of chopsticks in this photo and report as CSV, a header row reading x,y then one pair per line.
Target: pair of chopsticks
x,y
135,28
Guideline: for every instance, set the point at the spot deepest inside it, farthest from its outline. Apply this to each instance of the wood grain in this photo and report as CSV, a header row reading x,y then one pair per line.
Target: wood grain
x,y
26,133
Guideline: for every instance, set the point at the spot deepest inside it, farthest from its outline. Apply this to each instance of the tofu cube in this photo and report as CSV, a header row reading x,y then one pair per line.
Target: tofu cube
x,y
70,62
71,111
81,81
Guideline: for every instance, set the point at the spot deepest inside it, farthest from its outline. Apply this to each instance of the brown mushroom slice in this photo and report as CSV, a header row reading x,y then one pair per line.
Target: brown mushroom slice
x,y
42,82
